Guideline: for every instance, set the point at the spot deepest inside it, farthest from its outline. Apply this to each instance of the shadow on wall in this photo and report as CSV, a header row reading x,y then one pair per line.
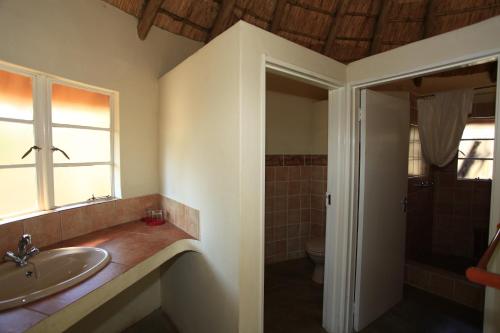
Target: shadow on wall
x,y
177,296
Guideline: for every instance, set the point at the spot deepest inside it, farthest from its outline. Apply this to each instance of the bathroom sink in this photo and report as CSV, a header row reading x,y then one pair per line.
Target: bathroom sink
x,y
49,272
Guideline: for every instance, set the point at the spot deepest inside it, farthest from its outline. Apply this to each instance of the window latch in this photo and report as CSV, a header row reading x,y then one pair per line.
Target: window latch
x,y
30,150
62,151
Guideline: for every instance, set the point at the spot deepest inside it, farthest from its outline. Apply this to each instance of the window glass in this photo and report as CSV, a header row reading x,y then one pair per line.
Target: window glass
x,y
74,106
475,152
15,140
81,145
417,167
16,100
79,183
19,191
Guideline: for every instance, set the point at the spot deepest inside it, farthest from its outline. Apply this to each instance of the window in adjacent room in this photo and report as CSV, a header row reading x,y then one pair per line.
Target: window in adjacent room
x,y
56,142
417,167
475,153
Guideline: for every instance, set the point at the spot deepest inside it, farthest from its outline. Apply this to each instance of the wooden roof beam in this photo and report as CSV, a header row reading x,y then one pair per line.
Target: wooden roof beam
x,y
332,35
380,27
225,12
148,18
278,16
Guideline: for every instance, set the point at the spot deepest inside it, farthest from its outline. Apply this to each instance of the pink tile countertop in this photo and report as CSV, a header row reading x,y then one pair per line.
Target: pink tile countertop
x,y
129,245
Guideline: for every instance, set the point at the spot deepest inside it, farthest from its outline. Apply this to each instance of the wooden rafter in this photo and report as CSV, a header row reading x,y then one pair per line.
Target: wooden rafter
x,y
427,19
225,12
278,15
148,17
380,27
332,35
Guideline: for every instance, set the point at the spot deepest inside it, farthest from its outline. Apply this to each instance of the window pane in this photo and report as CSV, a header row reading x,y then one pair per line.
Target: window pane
x,y
479,131
472,169
77,184
73,106
15,140
81,145
16,99
19,191
476,148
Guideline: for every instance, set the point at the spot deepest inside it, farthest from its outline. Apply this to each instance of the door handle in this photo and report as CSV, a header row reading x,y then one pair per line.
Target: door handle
x,y
404,204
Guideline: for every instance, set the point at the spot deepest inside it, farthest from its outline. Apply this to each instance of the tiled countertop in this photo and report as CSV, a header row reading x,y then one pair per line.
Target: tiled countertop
x,y
136,250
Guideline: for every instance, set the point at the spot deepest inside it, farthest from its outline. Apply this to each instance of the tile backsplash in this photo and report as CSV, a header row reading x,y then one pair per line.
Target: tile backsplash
x,y
295,204
56,226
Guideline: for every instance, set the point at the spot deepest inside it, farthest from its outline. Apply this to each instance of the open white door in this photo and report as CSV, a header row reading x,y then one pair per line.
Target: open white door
x,y
382,200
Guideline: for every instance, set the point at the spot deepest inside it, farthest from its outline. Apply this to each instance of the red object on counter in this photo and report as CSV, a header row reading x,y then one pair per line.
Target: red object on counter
x,y
151,221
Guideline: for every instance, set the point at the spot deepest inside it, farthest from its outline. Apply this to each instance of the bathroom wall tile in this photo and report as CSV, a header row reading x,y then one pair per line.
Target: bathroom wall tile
x,y
274,160
280,218
279,233
280,203
293,160
9,236
293,202
469,294
193,222
293,216
281,188
45,229
305,215
269,174
76,222
282,174
293,231
318,202
182,216
288,203
103,215
293,188
294,173
441,285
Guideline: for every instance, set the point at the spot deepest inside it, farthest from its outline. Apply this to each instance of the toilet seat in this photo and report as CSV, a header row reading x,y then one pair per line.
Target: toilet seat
x,y
316,246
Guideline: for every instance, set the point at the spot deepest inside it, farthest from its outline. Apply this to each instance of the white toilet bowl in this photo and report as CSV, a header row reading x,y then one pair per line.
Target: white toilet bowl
x,y
315,248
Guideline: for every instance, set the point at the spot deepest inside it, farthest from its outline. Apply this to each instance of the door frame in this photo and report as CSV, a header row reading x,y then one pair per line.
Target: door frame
x,y
336,107
348,233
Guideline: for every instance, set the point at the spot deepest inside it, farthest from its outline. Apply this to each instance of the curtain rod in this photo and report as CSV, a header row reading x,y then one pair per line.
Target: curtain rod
x,y
478,88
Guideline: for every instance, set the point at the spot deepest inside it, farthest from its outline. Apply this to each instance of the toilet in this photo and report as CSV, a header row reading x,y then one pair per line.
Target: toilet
x,y
315,248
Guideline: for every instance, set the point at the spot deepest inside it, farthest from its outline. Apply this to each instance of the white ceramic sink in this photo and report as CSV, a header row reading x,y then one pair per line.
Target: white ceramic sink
x,y
47,273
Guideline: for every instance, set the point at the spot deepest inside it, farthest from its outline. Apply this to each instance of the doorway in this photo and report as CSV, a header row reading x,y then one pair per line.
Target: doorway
x,y
295,207
424,218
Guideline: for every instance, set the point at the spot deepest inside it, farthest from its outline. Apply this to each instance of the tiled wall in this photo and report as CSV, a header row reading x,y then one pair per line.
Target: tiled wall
x,y
460,213
419,219
182,216
53,227
445,284
295,204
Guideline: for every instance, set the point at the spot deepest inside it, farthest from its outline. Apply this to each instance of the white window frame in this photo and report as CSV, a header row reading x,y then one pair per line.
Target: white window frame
x,y
42,123
476,158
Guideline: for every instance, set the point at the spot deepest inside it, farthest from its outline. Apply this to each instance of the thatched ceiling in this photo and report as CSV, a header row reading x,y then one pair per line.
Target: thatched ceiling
x,y
345,30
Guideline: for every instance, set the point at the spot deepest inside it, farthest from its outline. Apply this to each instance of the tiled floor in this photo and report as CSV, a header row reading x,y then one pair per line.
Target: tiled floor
x,y
293,304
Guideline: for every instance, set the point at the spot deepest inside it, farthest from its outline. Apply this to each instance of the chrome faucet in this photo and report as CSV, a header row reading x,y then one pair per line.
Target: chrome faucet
x,y
24,251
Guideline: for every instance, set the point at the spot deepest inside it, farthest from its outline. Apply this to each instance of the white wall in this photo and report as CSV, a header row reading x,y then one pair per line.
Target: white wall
x,y
95,43
212,159
456,46
295,125
199,166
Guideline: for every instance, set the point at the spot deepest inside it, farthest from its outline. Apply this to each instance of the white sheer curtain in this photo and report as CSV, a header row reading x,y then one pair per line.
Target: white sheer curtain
x,y
441,122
